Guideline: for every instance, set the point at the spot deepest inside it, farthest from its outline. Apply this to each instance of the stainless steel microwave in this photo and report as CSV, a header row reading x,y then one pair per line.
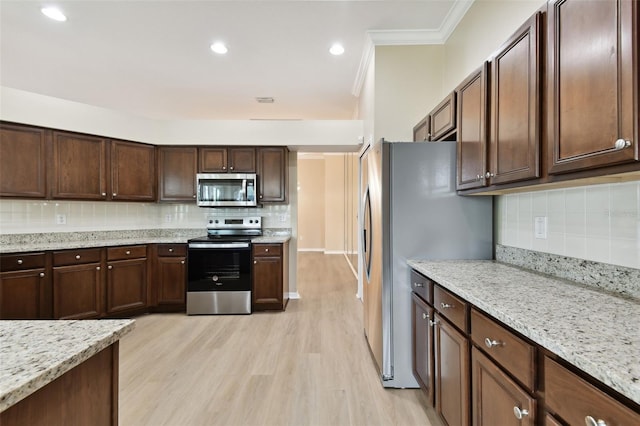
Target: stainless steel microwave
x,y
226,189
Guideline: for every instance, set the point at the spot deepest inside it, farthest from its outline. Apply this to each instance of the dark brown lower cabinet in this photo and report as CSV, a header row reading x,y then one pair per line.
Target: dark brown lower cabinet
x,y
270,277
171,275
77,291
451,349
422,344
126,285
498,400
23,294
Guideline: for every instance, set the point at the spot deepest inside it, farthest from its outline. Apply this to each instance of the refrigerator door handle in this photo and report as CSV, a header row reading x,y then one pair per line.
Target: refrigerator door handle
x,y
364,237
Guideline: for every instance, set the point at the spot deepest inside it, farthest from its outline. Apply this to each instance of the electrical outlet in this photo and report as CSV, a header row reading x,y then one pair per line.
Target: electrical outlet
x,y
61,219
168,217
540,227
283,218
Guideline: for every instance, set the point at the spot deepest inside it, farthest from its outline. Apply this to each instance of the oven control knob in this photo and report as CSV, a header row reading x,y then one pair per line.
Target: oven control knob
x,y
250,221
214,278
216,221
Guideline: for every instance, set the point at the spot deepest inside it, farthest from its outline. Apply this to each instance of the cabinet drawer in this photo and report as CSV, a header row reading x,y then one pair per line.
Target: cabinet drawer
x,y
451,307
510,351
126,252
422,285
573,399
17,262
267,249
170,250
76,257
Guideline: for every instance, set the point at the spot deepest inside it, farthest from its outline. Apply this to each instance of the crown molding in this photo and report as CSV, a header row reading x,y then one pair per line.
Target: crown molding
x,y
408,38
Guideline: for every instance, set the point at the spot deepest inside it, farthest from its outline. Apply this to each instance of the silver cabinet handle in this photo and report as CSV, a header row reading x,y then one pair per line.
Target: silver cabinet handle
x,y
110,267
194,196
170,250
418,285
489,175
231,168
491,343
590,421
127,252
104,194
433,322
97,268
425,316
520,413
41,274
479,177
621,144
266,250
114,194
446,306
77,257
20,261
260,195
224,167
182,262
255,262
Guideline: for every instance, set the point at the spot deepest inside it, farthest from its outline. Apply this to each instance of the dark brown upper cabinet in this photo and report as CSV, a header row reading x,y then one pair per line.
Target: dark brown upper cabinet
x,y
273,176
471,100
227,160
443,119
514,137
133,171
421,132
592,84
23,161
177,168
79,167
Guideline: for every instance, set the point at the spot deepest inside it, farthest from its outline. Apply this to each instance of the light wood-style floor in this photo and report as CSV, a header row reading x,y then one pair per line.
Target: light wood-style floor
x,y
309,365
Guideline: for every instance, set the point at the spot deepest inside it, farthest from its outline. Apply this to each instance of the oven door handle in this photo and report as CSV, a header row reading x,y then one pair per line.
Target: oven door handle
x,y
215,246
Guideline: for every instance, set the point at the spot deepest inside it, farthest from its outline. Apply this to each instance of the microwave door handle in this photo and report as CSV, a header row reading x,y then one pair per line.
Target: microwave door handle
x,y
244,189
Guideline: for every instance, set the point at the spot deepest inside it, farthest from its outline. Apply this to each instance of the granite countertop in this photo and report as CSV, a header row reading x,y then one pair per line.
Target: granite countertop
x,y
34,353
596,331
62,241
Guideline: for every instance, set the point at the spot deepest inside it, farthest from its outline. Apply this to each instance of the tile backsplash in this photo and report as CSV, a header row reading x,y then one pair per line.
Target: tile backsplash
x,y
599,222
30,216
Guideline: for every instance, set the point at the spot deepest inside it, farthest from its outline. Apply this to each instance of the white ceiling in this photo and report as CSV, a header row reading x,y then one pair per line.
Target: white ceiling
x,y
152,58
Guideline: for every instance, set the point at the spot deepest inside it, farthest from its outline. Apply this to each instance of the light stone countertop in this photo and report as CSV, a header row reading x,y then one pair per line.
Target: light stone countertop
x,y
596,331
34,353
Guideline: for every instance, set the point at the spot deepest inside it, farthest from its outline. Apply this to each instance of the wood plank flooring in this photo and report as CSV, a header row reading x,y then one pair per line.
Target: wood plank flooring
x,y
309,365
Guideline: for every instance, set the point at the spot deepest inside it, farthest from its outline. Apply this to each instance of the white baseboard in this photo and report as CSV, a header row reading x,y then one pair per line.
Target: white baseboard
x,y
294,295
355,274
311,249
333,252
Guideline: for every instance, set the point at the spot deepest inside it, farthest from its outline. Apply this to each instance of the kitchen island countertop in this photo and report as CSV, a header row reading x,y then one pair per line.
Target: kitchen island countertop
x,y
35,353
596,331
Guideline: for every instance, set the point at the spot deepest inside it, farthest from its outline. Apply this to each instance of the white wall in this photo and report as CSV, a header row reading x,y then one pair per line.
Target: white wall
x,y
311,202
335,187
31,108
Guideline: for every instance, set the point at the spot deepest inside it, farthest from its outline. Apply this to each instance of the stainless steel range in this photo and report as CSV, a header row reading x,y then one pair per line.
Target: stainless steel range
x,y
219,267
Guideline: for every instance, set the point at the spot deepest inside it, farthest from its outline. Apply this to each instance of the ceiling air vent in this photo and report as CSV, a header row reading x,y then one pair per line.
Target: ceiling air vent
x,y
265,100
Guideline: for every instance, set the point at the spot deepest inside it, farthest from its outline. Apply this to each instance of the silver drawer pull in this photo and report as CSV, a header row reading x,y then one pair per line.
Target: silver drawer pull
x,y
110,267
590,421
127,252
266,250
20,261
425,316
433,322
41,274
520,413
182,262
489,175
492,343
77,257
446,306
418,285
621,144
97,268
170,250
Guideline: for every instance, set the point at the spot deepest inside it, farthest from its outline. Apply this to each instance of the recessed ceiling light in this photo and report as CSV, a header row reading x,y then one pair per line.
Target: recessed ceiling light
x,y
336,49
54,13
219,48
265,100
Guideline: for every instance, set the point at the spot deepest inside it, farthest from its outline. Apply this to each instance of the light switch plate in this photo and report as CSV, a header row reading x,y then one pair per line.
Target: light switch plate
x,y
61,219
540,225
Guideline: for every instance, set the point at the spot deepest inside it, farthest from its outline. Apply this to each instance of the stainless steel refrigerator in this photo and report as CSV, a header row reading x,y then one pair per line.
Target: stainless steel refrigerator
x,y
410,210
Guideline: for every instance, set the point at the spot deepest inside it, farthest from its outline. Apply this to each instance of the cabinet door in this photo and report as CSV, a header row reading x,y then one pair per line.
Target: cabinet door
x,y
126,285
590,82
212,160
267,283
498,400
443,118
177,168
22,161
171,276
77,291
471,97
515,107
451,350
241,160
272,174
421,130
422,344
133,171
23,294
79,167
